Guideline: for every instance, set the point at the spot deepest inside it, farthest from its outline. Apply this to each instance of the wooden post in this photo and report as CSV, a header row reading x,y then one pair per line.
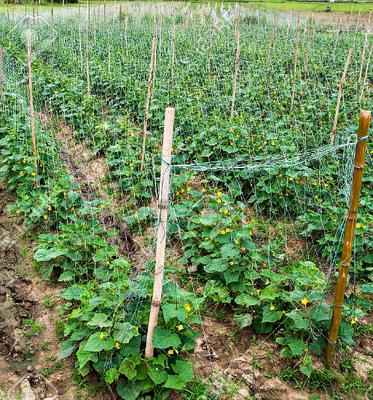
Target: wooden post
x,y
335,124
87,50
363,56
362,141
164,188
236,68
147,103
31,98
126,33
366,72
296,51
81,50
1,73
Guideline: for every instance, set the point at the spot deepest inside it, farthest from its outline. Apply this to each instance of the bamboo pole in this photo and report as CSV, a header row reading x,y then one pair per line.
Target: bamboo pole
x,y
173,51
31,98
81,50
343,78
87,50
210,44
164,188
147,103
363,56
272,38
296,52
360,150
366,72
236,68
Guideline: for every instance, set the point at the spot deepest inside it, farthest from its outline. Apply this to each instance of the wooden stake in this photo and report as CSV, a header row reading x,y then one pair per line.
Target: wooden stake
x,y
335,124
273,34
366,72
81,50
210,44
362,141
147,103
31,98
236,69
173,50
363,56
87,51
164,189
296,51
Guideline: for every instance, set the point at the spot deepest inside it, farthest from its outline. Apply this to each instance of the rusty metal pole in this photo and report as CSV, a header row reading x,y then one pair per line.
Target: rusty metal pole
x,y
361,146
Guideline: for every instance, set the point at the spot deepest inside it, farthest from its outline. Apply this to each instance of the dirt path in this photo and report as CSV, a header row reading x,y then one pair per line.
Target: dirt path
x,y
28,314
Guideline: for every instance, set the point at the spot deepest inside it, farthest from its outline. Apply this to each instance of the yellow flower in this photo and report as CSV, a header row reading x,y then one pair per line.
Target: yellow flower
x,y
33,173
316,197
117,345
291,179
202,212
266,282
218,200
225,212
219,194
189,188
188,308
49,208
170,352
243,248
203,190
258,291
179,327
177,193
21,172
45,217
273,143
326,185
231,262
102,335
223,232
182,190
358,225
304,301
228,230
24,161
354,321
272,307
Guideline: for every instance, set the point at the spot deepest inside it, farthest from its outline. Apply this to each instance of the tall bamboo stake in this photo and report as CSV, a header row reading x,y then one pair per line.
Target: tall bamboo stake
x,y
31,98
366,72
236,68
343,78
210,44
87,50
173,51
164,189
296,51
273,34
363,56
81,50
362,136
147,103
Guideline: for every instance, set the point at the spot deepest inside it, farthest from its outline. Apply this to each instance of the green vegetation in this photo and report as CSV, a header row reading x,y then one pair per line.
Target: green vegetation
x,y
257,198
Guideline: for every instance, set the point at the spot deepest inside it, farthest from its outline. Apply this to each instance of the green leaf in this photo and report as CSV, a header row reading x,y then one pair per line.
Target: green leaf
x,y
47,255
96,344
111,375
297,317
175,382
128,391
66,348
297,346
271,316
174,311
184,369
246,300
217,265
85,356
157,375
165,338
307,367
124,332
100,320
229,251
128,367
366,288
243,320
72,293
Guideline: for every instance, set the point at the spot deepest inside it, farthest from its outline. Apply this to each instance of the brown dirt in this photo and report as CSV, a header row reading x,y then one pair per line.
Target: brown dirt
x,y
21,309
